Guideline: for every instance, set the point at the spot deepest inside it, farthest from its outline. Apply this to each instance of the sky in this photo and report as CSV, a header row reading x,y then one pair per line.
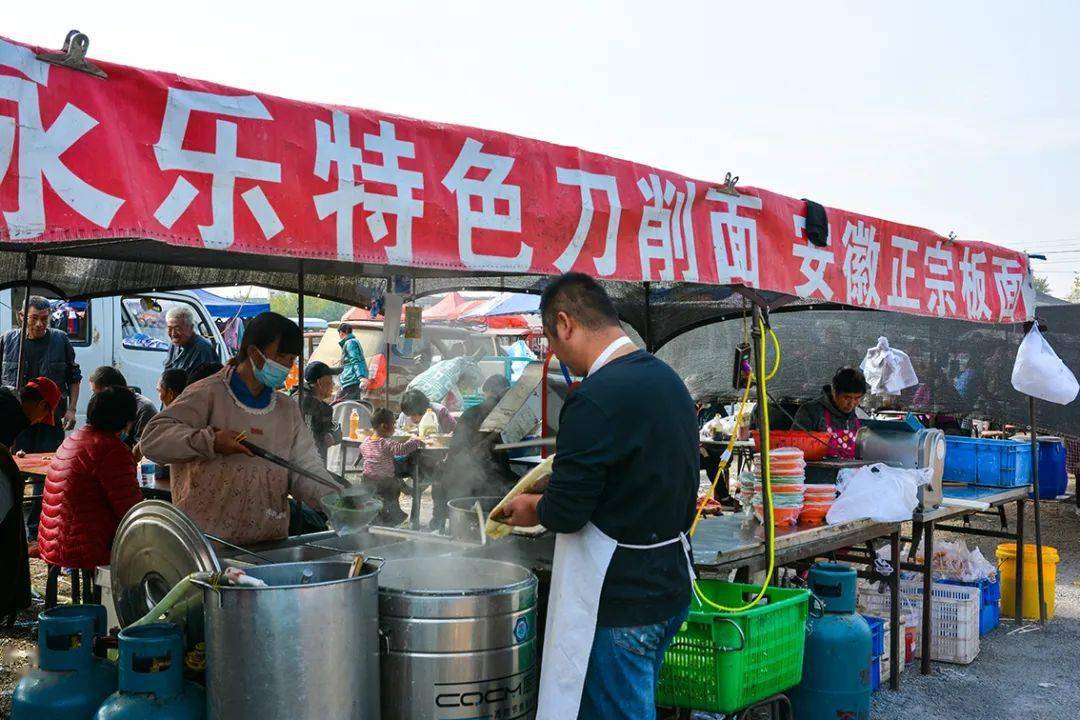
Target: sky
x,y
959,117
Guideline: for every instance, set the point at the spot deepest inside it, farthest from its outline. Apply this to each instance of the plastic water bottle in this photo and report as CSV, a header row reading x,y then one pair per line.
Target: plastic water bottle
x,y
147,471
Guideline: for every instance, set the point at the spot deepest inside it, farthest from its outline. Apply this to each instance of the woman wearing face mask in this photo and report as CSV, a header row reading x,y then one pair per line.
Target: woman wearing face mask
x,y
215,479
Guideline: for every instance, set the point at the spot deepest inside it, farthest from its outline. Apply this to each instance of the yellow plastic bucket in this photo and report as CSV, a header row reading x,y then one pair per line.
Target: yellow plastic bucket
x,y
1006,555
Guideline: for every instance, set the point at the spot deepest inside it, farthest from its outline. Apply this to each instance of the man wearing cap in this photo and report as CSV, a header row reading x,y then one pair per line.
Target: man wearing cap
x,y
315,405
48,353
38,400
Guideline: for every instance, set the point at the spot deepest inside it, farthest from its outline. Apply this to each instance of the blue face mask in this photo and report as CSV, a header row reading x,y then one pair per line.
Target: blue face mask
x,y
271,374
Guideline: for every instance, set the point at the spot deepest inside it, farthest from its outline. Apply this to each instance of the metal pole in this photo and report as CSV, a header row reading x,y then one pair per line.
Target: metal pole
x,y
759,372
928,597
1018,586
895,641
20,377
1038,515
303,340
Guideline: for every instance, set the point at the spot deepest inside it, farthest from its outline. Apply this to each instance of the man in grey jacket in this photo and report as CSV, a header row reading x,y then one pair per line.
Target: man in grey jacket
x,y
48,353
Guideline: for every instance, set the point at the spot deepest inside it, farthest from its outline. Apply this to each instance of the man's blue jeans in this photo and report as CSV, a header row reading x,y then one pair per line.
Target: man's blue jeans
x,y
624,666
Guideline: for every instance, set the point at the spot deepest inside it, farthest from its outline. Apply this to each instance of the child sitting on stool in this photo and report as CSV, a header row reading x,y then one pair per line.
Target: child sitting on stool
x,y
378,453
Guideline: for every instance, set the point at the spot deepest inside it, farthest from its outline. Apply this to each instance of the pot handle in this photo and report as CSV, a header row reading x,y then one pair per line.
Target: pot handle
x,y
384,643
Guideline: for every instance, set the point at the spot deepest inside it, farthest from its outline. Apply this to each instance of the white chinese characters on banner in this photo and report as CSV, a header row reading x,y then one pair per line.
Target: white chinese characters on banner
x,y
1009,279
223,164
588,182
40,150
939,269
815,261
861,253
491,188
333,146
973,285
902,271
734,238
666,233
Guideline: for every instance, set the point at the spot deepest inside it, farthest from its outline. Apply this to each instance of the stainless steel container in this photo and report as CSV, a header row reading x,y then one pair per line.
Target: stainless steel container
x,y
459,639
304,647
464,522
901,445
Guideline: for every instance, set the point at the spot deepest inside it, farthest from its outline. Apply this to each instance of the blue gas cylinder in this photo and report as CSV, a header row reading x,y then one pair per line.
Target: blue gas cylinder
x,y
839,651
152,681
69,681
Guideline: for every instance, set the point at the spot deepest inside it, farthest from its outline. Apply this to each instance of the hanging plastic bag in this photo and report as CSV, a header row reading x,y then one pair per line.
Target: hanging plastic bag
x,y
1040,373
887,370
877,492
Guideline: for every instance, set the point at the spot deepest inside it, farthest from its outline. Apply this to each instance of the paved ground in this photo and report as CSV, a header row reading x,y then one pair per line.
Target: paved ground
x,y
1031,674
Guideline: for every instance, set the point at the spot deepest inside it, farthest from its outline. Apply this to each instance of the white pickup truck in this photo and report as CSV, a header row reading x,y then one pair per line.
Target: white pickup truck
x,y
127,332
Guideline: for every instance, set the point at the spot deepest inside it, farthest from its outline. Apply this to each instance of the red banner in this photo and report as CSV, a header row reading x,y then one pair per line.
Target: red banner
x,y
190,163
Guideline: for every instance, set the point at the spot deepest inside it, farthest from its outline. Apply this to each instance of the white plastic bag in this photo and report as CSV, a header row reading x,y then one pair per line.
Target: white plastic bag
x,y
1040,373
876,492
887,370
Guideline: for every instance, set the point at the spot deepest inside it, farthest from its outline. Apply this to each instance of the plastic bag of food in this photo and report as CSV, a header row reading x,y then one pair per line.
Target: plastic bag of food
x,y
955,561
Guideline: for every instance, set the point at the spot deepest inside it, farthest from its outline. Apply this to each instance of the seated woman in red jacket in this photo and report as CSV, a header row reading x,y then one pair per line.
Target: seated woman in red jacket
x,y
89,486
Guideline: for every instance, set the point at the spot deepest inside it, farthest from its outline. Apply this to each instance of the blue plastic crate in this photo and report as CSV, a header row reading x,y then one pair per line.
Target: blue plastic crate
x,y
877,632
990,603
979,461
875,673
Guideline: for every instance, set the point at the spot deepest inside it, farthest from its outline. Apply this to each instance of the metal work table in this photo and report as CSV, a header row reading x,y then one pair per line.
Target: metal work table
x,y
925,523
736,541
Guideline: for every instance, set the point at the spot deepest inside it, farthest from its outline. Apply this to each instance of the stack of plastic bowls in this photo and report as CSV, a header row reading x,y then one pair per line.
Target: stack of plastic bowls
x,y
817,501
746,491
788,474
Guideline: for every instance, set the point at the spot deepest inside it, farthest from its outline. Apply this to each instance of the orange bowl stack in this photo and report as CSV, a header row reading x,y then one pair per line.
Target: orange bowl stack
x,y
817,501
788,474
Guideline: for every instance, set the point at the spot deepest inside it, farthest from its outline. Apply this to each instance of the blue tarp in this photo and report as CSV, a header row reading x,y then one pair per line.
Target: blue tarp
x,y
221,307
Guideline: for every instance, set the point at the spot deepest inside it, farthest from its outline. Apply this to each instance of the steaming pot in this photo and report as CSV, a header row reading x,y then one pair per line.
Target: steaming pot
x,y
458,639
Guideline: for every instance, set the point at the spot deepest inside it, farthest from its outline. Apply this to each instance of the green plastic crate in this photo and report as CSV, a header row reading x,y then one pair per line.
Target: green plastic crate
x,y
724,662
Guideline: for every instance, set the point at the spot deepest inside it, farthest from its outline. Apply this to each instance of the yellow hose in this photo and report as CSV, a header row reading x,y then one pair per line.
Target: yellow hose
x,y
766,473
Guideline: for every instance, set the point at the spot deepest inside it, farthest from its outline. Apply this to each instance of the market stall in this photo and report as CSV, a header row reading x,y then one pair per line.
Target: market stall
x,y
224,186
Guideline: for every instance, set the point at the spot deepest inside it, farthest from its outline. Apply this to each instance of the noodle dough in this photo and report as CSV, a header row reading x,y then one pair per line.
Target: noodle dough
x,y
495,529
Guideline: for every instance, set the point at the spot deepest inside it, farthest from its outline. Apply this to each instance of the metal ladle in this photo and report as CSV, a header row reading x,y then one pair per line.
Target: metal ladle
x,y
227,544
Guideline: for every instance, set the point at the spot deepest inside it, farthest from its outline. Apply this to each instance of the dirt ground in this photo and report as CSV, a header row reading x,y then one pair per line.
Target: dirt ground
x,y
1030,674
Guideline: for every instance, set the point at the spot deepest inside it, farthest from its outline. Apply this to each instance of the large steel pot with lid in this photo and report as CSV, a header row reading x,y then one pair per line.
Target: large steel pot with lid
x,y
304,647
459,639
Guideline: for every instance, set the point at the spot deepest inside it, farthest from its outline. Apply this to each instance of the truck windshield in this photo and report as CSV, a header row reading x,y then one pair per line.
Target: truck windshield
x,y
144,321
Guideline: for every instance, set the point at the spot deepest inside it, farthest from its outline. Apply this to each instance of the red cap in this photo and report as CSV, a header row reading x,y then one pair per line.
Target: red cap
x,y
47,389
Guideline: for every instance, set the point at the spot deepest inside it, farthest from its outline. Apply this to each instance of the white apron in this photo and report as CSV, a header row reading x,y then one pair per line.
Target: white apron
x,y
578,569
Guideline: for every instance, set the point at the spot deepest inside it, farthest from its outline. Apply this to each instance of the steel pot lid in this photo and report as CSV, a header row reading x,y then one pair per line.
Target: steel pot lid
x,y
155,547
